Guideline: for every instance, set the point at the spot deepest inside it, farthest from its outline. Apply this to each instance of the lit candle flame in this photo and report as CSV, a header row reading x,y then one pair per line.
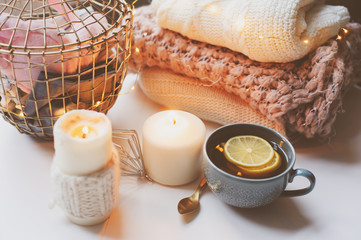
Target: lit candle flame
x,y
85,132
172,118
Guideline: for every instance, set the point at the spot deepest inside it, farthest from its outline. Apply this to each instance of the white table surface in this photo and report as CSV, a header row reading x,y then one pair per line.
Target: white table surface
x,y
148,210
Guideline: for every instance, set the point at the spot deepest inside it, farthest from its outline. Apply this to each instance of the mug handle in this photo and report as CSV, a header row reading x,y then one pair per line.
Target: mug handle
x,y
304,173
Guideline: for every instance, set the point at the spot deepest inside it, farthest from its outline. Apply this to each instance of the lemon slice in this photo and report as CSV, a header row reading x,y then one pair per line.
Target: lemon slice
x,y
266,170
248,151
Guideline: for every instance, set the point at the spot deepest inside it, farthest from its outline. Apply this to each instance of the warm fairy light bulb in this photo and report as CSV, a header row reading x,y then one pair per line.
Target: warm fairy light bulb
x,y
137,50
21,113
306,41
342,34
97,103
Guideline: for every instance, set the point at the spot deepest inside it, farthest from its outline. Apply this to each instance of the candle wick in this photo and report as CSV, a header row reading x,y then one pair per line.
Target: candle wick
x,y
85,130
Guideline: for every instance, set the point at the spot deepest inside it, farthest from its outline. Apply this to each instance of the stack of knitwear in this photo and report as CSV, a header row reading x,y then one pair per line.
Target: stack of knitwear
x,y
303,96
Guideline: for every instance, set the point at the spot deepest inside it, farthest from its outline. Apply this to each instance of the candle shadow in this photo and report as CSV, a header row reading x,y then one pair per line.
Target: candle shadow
x,y
281,214
129,185
112,227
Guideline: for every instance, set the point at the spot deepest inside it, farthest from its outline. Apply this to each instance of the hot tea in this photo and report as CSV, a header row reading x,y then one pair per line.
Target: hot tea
x,y
231,185
218,158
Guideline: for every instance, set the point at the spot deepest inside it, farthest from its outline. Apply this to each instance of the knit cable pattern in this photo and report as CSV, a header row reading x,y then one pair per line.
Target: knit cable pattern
x,y
303,95
263,30
89,199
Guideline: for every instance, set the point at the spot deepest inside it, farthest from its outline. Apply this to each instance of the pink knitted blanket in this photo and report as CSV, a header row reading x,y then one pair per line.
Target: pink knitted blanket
x,y
304,95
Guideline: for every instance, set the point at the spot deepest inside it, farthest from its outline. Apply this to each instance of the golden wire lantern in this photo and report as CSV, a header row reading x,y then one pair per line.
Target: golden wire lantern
x,y
60,55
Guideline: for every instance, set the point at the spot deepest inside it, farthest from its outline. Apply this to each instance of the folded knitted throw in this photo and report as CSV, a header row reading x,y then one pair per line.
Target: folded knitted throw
x,y
264,30
303,95
210,103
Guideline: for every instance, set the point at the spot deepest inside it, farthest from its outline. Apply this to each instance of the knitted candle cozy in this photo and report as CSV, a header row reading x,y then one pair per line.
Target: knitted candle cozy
x,y
304,96
264,30
89,199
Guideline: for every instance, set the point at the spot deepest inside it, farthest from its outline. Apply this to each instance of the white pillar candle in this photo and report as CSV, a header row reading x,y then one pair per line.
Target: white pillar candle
x,y
172,144
82,141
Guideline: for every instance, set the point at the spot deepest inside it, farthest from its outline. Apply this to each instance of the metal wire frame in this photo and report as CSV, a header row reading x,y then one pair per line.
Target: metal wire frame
x,y
129,150
60,57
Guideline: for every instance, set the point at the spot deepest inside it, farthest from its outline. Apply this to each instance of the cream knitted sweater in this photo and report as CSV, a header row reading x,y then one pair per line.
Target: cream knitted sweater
x,y
264,30
211,103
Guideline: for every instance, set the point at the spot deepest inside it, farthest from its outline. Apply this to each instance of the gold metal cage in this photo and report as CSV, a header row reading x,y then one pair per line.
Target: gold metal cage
x,y
60,55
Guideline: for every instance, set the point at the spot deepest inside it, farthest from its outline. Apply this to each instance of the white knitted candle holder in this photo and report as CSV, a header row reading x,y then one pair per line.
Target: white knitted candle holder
x,y
89,199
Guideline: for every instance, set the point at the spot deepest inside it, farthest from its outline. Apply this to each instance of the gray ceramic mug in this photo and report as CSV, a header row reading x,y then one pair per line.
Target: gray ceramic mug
x,y
245,192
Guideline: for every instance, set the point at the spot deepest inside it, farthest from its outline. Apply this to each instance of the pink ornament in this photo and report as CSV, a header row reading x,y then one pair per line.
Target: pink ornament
x,y
66,29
